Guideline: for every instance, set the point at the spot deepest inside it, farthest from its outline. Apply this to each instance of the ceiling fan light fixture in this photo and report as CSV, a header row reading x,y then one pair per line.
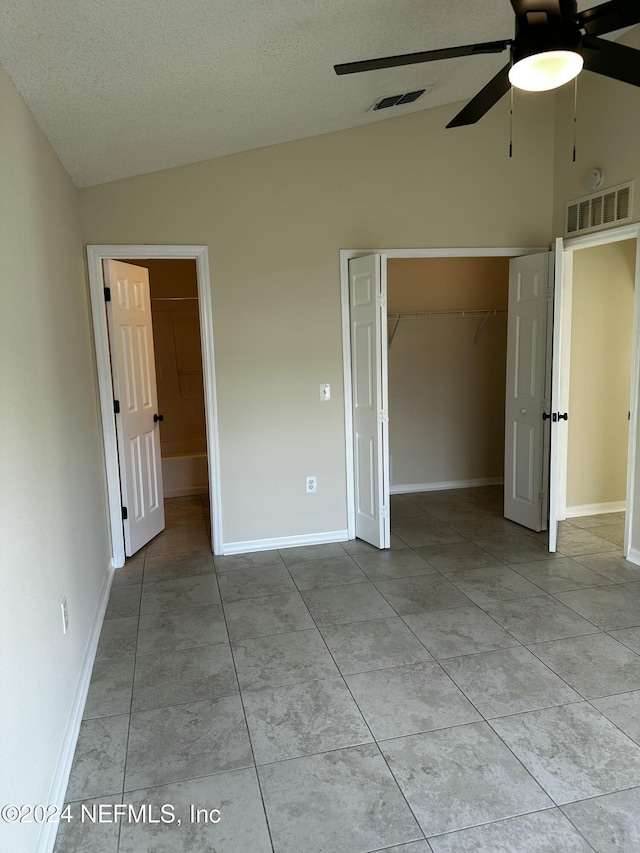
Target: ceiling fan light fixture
x,y
540,72
545,53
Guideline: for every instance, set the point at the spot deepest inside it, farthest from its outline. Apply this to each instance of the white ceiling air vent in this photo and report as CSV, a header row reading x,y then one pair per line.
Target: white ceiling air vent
x,y
397,100
603,209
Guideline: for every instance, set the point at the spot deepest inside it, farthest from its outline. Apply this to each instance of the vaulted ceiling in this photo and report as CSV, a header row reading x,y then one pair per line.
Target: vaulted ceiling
x,y
125,87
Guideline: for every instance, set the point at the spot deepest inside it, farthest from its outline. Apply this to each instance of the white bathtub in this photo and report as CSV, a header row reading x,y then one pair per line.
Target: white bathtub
x,y
185,474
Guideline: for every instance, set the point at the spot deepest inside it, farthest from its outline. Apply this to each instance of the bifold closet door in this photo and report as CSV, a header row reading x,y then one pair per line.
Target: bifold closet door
x,y
368,325
527,392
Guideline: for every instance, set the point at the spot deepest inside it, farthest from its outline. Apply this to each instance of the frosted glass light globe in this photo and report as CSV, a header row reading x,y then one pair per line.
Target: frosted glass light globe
x,y
548,70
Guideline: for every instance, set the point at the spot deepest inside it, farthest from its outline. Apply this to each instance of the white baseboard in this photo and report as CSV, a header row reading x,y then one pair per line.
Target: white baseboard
x,y
633,556
595,509
250,545
48,831
450,484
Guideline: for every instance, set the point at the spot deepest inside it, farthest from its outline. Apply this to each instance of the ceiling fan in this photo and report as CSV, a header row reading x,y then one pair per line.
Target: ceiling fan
x,y
553,42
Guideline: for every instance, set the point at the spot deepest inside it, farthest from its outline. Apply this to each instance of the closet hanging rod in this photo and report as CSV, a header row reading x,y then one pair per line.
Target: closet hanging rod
x,y
174,298
446,312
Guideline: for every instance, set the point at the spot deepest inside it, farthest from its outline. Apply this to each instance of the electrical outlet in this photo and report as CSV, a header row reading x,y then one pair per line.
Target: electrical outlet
x,y
65,615
312,485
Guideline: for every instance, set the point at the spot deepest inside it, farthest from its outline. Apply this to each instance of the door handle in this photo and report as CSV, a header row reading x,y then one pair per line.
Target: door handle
x,y
157,418
556,416
545,416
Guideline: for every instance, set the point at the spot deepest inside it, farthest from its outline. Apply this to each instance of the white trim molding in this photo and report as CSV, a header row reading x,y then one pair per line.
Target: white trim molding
x,y
451,484
595,509
633,556
251,545
95,256
48,830
600,238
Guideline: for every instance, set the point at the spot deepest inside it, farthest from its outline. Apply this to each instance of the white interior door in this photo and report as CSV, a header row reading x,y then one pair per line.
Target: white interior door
x,y
631,550
134,384
525,496
368,323
559,402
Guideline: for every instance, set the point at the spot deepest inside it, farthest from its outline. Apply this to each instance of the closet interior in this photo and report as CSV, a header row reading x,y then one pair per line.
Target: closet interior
x,y
447,335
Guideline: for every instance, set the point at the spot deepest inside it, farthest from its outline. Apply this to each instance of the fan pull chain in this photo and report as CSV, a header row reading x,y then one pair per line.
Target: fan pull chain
x,y
511,122
575,116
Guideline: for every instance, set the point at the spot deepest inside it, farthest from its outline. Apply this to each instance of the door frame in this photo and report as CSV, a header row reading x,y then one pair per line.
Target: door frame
x,y
345,256
96,254
587,241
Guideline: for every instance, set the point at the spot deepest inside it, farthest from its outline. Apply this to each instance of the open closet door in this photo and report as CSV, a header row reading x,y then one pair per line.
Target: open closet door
x,y
559,403
525,495
631,549
368,323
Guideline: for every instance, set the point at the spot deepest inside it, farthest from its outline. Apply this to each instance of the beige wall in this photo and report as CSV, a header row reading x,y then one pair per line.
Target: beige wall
x,y
433,284
53,525
600,378
446,395
608,134
274,221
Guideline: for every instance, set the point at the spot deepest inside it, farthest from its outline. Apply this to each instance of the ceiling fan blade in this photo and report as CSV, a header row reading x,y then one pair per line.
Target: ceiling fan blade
x,y
424,56
484,100
610,16
612,59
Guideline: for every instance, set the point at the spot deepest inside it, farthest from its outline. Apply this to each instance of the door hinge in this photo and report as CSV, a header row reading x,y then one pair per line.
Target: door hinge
x,y
107,294
381,301
384,512
116,407
125,513
549,294
541,496
383,417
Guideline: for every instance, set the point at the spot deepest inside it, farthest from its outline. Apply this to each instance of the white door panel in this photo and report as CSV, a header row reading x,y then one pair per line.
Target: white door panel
x,y
368,322
134,383
524,479
559,401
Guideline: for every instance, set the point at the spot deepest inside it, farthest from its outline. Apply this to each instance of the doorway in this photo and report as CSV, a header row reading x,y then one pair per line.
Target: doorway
x,y
598,382
388,255
560,386
600,379
95,257
178,360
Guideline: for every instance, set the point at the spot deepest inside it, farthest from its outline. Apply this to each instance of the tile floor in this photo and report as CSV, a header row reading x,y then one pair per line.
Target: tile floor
x,y
463,691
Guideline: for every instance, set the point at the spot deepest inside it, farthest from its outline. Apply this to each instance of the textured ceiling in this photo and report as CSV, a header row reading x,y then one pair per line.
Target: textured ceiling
x,y
124,87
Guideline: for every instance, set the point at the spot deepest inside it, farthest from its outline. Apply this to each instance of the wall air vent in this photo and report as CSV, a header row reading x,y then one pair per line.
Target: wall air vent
x,y
397,100
600,210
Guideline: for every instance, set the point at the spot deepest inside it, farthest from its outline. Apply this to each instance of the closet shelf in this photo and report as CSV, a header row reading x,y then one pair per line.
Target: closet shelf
x,y
485,313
